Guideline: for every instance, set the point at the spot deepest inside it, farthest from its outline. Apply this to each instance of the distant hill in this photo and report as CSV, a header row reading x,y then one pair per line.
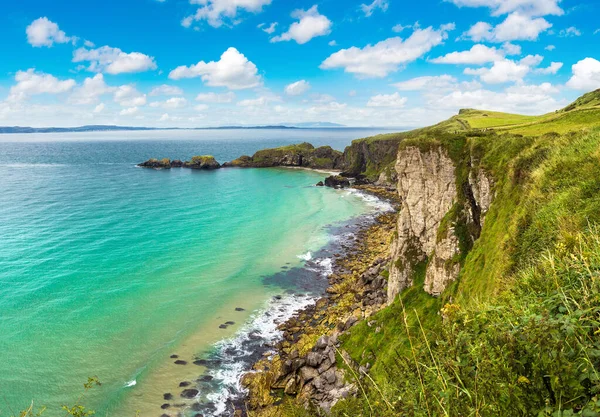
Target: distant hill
x,y
108,128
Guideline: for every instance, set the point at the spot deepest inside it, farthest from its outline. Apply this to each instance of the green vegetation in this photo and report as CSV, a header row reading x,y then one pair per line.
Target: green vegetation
x,y
300,155
518,335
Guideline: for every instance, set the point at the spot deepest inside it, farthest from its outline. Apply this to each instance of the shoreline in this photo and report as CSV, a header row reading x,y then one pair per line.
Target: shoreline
x,y
216,388
317,326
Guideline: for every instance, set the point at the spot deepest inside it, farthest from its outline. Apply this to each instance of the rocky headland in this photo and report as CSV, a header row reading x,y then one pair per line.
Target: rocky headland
x,y
205,162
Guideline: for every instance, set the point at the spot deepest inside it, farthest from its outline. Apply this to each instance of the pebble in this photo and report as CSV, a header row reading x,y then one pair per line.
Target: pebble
x,y
180,362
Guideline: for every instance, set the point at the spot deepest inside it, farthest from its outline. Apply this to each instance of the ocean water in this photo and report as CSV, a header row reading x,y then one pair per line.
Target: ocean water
x,y
107,269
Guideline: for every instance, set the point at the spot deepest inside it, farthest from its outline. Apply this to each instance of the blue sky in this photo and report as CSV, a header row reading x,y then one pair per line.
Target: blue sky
x,y
357,62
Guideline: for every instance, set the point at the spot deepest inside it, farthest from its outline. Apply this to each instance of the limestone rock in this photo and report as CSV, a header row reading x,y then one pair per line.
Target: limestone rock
x,y
427,186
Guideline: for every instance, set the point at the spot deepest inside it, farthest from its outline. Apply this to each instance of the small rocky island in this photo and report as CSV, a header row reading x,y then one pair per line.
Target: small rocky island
x,y
303,155
205,162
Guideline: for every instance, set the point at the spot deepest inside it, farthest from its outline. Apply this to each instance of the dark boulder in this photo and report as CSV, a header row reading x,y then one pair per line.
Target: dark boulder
x,y
337,181
189,393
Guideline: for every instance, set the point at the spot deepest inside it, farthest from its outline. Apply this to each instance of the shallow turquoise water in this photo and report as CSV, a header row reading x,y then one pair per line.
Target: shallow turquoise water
x,y
106,268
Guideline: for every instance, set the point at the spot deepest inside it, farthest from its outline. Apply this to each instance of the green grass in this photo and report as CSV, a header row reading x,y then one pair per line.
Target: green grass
x,y
520,331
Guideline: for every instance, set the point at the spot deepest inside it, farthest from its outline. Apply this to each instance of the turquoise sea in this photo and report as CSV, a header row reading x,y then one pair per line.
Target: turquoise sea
x,y
107,269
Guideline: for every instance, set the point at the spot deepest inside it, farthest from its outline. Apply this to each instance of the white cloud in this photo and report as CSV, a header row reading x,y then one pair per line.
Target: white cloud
x,y
130,111
260,101
501,72
332,43
201,107
268,29
220,12
400,28
387,100
297,88
368,9
553,68
216,98
477,55
31,83
387,56
99,108
43,32
532,60
91,90
520,99
426,83
172,103
166,90
310,24
233,71
550,48
528,7
114,61
586,75
129,96
89,44
516,26
569,32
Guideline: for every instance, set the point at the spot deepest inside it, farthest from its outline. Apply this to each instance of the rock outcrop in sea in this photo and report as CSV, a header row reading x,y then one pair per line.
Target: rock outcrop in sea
x,y
205,162
303,155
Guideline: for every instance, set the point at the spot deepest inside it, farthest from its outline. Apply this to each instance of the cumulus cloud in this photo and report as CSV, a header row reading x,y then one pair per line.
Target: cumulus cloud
x,y
91,90
387,100
368,9
43,32
31,83
522,99
528,7
310,24
256,102
129,96
506,70
172,103
586,75
477,55
99,108
553,68
166,90
387,56
515,27
233,71
130,111
426,83
216,98
550,48
201,107
114,61
297,88
220,12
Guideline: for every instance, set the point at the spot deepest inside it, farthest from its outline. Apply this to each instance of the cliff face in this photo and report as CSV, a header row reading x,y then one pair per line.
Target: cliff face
x,y
373,157
435,204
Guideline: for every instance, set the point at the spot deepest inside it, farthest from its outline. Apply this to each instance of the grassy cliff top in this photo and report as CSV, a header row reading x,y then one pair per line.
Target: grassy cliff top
x,y
582,114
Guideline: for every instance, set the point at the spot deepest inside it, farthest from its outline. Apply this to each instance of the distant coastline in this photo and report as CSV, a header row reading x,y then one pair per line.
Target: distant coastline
x,y
111,128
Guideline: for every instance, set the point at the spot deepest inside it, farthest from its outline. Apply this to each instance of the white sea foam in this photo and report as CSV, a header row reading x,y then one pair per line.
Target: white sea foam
x,y
234,354
306,257
131,383
371,200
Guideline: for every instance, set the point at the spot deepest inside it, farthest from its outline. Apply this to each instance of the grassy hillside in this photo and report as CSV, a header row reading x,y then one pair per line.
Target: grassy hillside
x,y
517,334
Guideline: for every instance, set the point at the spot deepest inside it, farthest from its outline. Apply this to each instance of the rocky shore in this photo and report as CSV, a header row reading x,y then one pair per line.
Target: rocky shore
x,y
308,369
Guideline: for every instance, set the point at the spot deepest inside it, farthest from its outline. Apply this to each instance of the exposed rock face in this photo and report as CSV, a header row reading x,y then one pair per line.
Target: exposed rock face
x,y
370,156
427,186
206,162
482,185
302,155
